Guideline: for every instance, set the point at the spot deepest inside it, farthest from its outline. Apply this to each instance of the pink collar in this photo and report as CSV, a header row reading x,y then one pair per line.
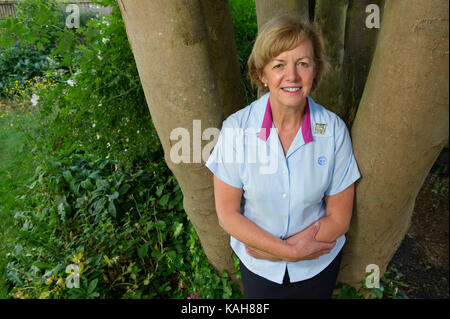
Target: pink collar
x,y
267,124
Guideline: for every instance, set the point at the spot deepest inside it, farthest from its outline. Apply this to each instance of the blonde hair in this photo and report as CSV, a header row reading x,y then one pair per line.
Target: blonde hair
x,y
281,34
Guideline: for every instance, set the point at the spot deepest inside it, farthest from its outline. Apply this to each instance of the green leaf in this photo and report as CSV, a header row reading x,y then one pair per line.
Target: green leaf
x,y
164,200
42,265
349,292
102,183
67,176
124,188
94,295
143,250
159,190
112,209
155,253
172,254
92,286
86,184
115,195
64,209
172,203
75,187
377,293
95,175
178,230
99,205
160,225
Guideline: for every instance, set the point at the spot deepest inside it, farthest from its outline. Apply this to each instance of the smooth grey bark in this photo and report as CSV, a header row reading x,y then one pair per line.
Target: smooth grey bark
x,y
331,16
360,43
224,54
267,9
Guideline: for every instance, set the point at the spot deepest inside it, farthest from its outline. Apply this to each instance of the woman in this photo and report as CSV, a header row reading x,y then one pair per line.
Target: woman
x,y
291,163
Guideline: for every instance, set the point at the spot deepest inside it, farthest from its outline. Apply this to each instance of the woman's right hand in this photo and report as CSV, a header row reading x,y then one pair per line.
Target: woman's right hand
x,y
304,246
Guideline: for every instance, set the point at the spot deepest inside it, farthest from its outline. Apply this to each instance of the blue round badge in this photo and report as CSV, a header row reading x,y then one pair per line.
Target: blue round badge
x,y
322,161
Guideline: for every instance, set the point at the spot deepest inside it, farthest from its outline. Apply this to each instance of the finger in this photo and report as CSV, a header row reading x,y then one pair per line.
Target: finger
x,y
249,247
332,244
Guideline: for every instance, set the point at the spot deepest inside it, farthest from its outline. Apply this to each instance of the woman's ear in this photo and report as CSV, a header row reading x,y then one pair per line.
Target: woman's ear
x,y
261,76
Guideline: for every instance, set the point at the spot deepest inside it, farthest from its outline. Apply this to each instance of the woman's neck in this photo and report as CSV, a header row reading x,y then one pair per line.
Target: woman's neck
x,y
287,119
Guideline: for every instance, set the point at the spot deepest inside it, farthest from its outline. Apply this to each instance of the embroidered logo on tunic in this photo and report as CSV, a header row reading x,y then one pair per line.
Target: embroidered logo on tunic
x,y
322,161
319,128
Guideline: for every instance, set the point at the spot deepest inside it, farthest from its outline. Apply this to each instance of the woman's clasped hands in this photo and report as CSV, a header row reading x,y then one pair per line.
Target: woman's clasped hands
x,y
301,246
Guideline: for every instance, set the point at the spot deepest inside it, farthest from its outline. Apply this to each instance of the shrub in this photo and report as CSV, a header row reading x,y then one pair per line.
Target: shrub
x,y
21,62
126,232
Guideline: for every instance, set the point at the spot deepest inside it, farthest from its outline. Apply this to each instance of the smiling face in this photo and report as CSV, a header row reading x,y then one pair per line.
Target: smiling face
x,y
290,76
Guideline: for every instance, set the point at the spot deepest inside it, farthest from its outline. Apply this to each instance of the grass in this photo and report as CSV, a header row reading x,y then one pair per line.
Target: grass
x,y
16,168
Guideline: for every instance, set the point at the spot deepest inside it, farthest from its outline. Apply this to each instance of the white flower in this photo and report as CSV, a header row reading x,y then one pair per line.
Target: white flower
x,y
34,99
93,125
100,104
98,137
99,57
104,40
70,82
108,145
137,131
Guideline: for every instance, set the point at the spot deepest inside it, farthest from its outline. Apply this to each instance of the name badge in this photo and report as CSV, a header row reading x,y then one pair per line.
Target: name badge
x,y
319,128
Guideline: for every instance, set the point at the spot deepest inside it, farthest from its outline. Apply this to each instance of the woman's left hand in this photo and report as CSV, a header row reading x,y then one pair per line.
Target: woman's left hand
x,y
256,253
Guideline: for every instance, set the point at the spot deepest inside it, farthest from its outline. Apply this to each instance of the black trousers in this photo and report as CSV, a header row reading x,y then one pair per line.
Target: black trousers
x,y
318,287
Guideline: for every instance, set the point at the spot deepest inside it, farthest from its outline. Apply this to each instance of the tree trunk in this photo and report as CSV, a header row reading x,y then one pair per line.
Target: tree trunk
x,y
224,55
267,9
181,70
399,130
360,44
331,16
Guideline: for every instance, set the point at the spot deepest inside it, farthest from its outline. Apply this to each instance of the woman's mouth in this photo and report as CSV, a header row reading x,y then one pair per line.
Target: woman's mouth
x,y
291,90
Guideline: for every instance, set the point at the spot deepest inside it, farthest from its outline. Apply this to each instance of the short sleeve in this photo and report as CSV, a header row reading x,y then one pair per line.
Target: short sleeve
x,y
225,161
345,171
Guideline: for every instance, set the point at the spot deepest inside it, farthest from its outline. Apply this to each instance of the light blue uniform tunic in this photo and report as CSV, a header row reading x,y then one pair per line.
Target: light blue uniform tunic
x,y
283,195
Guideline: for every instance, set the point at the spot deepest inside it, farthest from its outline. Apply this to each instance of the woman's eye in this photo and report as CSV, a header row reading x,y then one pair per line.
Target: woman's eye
x,y
303,64
278,66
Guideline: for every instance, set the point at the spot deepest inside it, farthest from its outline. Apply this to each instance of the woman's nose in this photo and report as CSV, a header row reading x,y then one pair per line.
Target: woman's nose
x,y
292,73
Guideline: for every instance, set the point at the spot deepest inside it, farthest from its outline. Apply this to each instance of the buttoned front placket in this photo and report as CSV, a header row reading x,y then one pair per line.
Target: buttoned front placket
x,y
286,192
303,136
